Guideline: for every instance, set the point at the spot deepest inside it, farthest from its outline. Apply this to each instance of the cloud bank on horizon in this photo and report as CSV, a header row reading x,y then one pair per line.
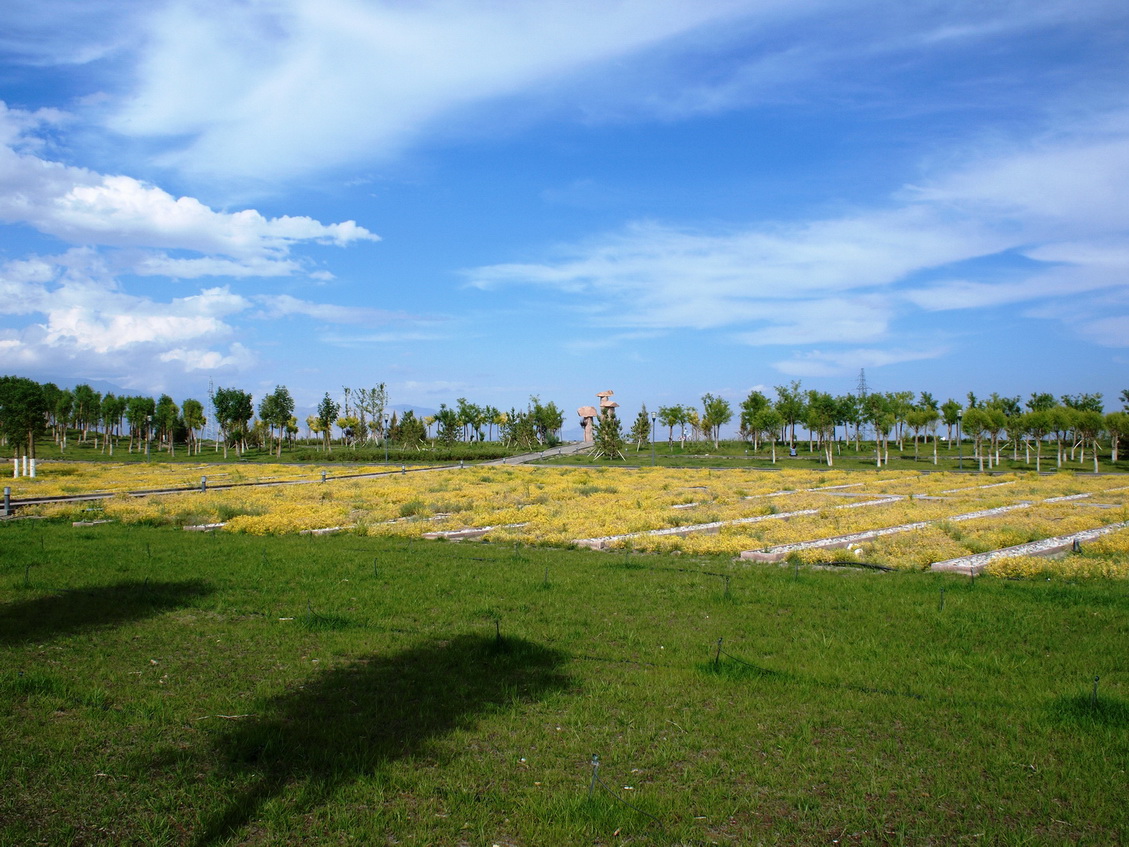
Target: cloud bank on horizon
x,y
557,197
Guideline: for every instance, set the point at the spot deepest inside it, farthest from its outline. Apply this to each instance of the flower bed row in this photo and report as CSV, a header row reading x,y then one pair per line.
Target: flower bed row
x,y
718,512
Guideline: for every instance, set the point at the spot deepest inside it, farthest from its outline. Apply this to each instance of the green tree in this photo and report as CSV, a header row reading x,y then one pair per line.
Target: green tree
x,y
234,409
87,408
918,420
349,425
820,418
448,425
950,413
767,423
409,431
641,429
471,418
900,403
1041,402
113,411
670,417
1117,425
995,422
63,412
327,414
975,424
276,409
751,406
370,403
608,439
23,412
790,405
193,413
716,413
139,414
1083,402
852,411
880,415
1061,420
1037,424
1088,425
165,417
547,421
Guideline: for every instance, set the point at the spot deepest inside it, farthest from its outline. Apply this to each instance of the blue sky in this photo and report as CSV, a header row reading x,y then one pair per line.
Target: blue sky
x,y
496,199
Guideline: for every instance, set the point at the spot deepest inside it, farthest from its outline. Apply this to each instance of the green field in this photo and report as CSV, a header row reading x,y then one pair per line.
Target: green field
x,y
163,687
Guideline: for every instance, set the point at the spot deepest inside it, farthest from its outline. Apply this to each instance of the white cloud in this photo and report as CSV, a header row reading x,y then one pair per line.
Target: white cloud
x,y
125,227
1061,189
818,363
82,207
267,90
835,319
274,89
87,318
662,276
852,279
284,305
1108,332
237,357
159,264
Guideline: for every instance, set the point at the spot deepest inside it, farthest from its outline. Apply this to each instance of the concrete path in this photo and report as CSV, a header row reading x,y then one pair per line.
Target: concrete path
x,y
569,449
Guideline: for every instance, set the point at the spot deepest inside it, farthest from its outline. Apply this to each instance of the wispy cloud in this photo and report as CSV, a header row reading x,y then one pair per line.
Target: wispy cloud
x,y
819,363
854,280
300,85
284,305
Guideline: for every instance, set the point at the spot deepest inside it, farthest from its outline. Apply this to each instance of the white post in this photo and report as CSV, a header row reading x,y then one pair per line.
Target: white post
x,y
16,467
33,467
25,464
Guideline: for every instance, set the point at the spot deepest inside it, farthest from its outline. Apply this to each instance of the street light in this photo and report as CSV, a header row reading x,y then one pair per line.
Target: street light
x,y
654,417
148,433
960,441
387,418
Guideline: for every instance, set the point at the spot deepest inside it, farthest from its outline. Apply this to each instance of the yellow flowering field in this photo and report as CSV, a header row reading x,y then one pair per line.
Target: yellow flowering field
x,y
929,517
55,479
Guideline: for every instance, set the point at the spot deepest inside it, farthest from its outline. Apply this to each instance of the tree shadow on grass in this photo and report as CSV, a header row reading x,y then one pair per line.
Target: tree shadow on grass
x,y
97,607
1086,711
352,720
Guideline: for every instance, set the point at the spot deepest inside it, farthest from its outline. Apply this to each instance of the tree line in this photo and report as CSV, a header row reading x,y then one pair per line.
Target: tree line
x,y
1074,423
30,411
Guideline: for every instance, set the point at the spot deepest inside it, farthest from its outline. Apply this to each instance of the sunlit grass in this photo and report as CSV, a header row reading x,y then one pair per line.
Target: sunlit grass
x,y
183,688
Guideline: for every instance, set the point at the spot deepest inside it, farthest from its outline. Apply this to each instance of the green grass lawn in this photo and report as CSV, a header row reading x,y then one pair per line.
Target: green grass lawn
x,y
163,687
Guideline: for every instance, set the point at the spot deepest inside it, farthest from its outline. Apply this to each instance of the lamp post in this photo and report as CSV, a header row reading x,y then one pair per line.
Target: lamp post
x,y
386,420
654,418
148,433
960,441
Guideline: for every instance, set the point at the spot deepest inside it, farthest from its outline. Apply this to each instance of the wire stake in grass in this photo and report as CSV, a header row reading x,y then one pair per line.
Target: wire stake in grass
x,y
595,774
375,572
941,607
1094,699
717,658
727,585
